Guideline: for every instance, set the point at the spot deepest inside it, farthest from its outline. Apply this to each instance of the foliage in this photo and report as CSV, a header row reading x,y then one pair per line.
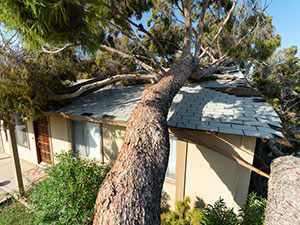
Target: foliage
x,y
253,31
183,215
217,214
278,79
68,194
28,81
73,21
253,213
14,213
29,85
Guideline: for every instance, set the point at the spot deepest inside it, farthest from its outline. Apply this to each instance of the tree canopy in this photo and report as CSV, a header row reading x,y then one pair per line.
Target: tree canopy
x,y
122,46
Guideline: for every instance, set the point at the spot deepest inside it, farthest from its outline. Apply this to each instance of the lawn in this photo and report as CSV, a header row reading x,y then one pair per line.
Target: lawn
x,y
14,213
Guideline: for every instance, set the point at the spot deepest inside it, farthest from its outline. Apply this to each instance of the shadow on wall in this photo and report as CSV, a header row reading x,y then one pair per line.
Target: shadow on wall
x,y
225,168
164,202
199,203
112,141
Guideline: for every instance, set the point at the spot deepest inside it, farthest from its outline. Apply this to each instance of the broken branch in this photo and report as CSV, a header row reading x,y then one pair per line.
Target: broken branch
x,y
105,82
134,59
220,29
139,43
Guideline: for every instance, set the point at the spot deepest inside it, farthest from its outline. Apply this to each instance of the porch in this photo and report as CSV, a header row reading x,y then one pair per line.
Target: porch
x,y
30,173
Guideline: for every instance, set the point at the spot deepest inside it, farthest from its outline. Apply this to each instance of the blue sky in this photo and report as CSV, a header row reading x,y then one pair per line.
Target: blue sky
x,y
286,19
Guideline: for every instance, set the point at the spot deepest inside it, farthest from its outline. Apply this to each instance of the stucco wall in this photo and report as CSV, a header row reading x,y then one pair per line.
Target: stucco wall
x,y
28,152
170,190
210,175
112,141
60,134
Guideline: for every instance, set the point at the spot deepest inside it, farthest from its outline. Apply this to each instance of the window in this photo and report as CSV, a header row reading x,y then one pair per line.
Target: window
x,y
86,139
20,130
171,170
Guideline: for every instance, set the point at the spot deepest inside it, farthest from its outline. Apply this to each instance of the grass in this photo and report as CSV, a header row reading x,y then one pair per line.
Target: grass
x,y
14,213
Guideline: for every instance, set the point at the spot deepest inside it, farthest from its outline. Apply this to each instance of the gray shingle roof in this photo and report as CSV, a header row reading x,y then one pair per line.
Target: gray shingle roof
x,y
195,106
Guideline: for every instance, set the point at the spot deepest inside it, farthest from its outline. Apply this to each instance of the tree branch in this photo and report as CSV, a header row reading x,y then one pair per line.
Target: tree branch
x,y
179,8
140,28
105,82
199,34
220,29
132,37
188,27
58,50
210,55
240,40
126,56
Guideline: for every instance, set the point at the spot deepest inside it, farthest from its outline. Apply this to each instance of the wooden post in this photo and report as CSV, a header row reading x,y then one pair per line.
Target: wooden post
x,y
15,157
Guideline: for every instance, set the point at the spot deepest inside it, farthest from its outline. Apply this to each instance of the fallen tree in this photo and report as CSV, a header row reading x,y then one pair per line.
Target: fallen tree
x,y
283,206
131,192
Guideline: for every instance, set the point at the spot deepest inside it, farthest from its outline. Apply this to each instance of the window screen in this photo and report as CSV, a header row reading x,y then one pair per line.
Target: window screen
x,y
86,139
20,130
171,170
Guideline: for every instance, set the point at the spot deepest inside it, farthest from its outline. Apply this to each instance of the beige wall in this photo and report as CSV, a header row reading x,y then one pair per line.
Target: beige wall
x,y
112,141
201,173
27,153
61,137
170,190
210,175
60,134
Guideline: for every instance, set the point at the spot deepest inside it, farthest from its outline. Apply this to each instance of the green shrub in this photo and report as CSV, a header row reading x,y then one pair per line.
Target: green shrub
x,y
14,213
217,214
253,213
68,194
183,215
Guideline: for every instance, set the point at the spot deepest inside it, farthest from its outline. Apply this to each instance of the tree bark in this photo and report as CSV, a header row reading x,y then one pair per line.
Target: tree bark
x,y
131,192
283,205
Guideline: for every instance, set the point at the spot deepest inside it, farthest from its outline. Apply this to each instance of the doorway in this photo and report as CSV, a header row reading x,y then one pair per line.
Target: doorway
x,y
42,138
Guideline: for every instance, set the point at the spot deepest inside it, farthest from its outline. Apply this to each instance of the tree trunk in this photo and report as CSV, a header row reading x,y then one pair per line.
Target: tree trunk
x,y
131,192
283,205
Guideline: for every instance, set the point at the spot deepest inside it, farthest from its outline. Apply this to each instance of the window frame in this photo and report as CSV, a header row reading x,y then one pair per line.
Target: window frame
x,y
17,116
172,178
85,139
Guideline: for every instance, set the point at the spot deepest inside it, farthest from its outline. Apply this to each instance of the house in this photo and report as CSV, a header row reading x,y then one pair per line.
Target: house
x,y
213,126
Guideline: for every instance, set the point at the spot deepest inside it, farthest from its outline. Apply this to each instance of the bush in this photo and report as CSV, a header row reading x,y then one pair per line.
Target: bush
x,y
14,213
217,214
253,213
183,215
68,194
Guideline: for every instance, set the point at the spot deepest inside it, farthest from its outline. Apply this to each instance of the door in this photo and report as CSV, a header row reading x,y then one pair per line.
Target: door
x,y
43,139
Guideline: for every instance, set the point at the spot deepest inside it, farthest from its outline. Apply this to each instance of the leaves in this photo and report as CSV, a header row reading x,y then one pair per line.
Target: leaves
x,y
68,194
278,79
28,81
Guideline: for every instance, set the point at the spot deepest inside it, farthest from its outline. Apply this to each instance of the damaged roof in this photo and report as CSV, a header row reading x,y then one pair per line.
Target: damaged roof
x,y
225,105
